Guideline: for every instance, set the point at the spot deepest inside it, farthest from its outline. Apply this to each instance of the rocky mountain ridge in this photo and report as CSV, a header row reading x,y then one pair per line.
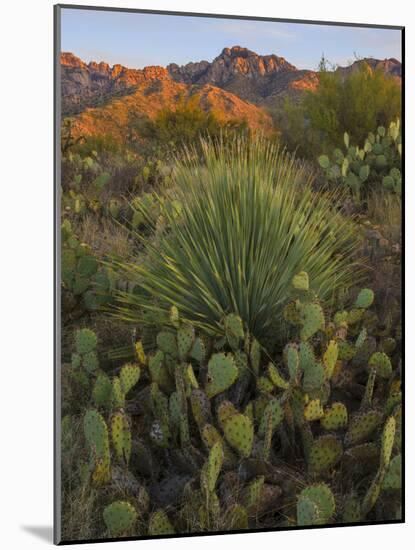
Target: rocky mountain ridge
x,y
237,84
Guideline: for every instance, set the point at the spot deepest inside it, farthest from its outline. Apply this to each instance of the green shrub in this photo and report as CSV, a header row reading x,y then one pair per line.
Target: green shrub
x,y
185,124
244,229
356,103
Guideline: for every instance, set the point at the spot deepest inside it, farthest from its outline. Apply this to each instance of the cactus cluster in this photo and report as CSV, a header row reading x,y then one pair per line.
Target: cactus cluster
x,y
199,430
85,284
378,162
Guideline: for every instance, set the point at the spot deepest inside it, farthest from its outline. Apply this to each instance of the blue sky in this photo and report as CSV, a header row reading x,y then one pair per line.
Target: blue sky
x,y
136,40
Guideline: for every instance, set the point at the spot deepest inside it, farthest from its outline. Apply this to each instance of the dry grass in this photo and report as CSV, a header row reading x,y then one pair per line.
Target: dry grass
x,y
106,237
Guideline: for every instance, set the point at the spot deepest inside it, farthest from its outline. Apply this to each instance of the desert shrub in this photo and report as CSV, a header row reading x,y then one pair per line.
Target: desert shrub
x,y
356,103
185,124
375,166
244,229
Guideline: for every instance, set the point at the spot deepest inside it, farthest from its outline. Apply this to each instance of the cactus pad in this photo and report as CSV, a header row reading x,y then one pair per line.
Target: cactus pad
x,y
330,359
129,376
365,298
140,354
276,377
159,524
393,477
276,411
255,355
121,436
265,385
185,340
226,410
200,407
198,351
335,417
386,447
90,361
382,363
312,318
222,373
313,410
239,433
313,378
96,435
362,425
300,281
119,517
213,467
85,341
293,361
118,396
234,330
102,390
210,435
324,453
322,496
352,512
307,512
346,351
166,341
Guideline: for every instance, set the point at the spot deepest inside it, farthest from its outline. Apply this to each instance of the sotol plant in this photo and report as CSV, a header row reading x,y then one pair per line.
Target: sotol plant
x,y
243,232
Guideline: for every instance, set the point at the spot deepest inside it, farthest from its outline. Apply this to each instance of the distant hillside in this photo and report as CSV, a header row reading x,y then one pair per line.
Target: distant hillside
x,y
149,97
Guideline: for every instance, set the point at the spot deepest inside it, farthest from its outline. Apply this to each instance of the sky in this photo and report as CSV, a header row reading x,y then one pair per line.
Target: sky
x,y
136,40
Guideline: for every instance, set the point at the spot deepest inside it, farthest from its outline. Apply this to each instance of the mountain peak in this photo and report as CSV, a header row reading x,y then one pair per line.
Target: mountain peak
x,y
237,51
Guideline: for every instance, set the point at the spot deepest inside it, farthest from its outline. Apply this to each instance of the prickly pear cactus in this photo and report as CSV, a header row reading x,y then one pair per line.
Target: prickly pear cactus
x,y
166,342
120,518
301,281
201,409
362,425
276,377
118,396
212,467
312,319
239,433
325,452
96,435
335,417
102,391
121,436
393,476
382,363
293,361
276,412
129,376
185,340
85,341
198,351
234,330
330,359
365,298
222,373
159,524
313,410
315,505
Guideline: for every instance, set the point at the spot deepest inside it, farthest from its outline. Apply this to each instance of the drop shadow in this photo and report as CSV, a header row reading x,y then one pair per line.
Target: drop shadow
x,y
43,532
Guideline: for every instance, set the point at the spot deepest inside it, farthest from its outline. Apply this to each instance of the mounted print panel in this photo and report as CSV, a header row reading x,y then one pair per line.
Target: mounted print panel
x,y
229,326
